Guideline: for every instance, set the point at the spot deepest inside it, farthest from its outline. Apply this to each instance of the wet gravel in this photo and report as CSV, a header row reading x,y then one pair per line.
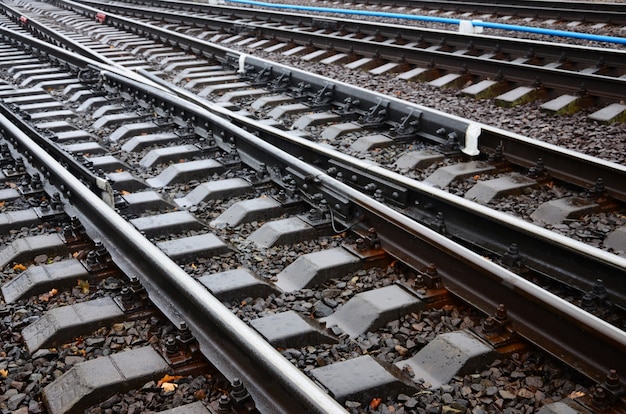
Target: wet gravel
x,y
560,25
519,384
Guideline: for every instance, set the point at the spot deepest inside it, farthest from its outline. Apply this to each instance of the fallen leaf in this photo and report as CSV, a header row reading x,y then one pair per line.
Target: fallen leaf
x,y
576,394
4,373
375,403
84,286
1,203
19,267
44,297
168,386
168,378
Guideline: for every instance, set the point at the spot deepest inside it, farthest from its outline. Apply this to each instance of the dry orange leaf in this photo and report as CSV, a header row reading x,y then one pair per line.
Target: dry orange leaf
x,y
1,203
168,378
4,373
375,403
19,267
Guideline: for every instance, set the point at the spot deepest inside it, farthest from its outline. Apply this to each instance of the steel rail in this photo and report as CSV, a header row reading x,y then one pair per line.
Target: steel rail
x,y
51,36
474,44
592,12
466,274
545,252
233,347
569,320
466,221
564,165
565,80
571,11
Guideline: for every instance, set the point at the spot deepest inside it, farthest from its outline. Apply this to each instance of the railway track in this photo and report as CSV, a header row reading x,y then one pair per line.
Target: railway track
x,y
586,11
383,185
228,235
512,71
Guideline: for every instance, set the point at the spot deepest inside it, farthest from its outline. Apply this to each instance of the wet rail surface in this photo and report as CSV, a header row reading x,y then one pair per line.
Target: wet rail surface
x,y
271,203
511,70
588,11
350,119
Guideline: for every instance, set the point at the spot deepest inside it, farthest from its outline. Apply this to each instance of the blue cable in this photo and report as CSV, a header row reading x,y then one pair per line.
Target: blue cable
x,y
445,20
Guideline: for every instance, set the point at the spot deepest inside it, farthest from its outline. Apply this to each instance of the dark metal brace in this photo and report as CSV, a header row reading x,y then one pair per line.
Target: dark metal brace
x,y
377,115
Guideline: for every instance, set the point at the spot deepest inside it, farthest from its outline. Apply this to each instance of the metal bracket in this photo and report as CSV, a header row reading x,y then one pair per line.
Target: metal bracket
x,y
377,115
370,183
323,97
408,128
348,110
281,83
